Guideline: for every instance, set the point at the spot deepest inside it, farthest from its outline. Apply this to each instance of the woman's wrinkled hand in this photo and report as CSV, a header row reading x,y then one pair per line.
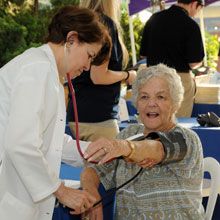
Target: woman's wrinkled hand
x,y
104,150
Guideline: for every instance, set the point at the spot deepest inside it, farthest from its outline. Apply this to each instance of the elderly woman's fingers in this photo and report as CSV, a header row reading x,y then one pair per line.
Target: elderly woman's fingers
x,y
102,149
98,155
96,146
107,158
104,155
91,150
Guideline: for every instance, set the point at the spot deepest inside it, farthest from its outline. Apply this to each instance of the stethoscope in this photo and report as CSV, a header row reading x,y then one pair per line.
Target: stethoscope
x,y
72,92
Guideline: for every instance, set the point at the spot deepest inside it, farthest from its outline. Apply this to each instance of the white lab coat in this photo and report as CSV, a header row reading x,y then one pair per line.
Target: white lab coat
x,y
32,141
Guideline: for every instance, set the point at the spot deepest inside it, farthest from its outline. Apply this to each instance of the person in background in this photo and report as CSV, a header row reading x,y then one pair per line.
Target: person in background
x,y
169,186
172,37
32,117
98,90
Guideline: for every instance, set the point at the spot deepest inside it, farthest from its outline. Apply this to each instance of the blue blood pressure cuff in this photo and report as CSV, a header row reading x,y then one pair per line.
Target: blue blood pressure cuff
x,y
174,144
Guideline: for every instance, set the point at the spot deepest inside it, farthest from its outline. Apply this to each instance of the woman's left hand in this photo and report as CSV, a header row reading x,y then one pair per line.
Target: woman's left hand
x,y
104,150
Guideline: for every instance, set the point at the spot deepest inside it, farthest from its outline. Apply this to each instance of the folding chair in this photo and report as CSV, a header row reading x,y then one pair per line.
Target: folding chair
x,y
211,166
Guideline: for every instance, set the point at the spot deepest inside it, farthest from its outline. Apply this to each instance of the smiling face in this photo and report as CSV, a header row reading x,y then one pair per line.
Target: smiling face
x,y
79,57
155,105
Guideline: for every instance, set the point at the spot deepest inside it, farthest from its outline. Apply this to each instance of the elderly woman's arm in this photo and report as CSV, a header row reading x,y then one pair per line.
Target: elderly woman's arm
x,y
90,180
90,183
157,147
142,152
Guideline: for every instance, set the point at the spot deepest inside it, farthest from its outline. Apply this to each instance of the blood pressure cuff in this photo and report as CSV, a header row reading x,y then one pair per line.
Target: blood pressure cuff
x,y
174,144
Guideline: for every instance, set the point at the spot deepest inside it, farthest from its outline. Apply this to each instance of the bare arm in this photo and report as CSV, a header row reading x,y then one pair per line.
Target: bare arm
x,y
90,182
147,149
103,76
135,151
195,65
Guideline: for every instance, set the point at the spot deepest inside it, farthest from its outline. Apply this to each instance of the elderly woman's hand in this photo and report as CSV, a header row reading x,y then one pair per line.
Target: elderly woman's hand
x,y
104,150
144,153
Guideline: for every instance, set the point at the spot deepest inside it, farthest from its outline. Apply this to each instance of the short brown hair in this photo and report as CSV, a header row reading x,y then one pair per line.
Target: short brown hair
x,y
83,21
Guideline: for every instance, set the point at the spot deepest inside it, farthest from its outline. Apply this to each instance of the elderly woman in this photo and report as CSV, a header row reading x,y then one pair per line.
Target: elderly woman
x,y
169,186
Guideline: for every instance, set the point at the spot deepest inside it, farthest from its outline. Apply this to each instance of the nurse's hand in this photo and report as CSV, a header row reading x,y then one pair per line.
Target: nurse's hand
x,y
77,200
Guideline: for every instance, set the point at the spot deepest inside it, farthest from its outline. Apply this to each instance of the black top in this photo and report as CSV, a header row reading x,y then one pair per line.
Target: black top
x,y
172,37
97,103
219,51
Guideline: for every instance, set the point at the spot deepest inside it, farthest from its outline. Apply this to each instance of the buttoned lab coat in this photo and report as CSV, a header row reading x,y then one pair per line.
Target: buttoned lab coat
x,y
32,141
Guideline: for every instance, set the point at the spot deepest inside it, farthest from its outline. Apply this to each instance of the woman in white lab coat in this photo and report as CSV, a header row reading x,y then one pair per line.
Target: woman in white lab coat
x,y
32,117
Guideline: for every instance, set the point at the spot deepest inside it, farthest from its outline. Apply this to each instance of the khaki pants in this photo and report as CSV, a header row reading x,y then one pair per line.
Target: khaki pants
x,y
189,85
93,131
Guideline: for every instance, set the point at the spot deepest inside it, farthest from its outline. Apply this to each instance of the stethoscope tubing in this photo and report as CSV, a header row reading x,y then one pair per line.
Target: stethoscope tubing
x,y
72,92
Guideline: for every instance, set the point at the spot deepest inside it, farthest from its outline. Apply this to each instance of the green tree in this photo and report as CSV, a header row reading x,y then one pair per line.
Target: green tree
x,y
58,3
12,39
20,28
137,28
23,24
212,44
36,26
